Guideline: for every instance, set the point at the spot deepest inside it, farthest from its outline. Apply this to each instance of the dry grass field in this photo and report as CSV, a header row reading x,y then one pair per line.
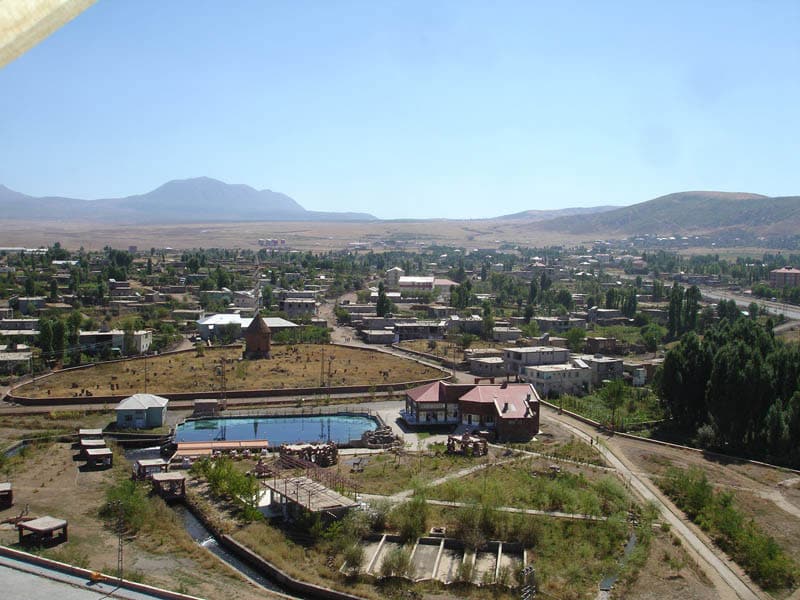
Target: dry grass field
x,y
290,367
299,235
50,482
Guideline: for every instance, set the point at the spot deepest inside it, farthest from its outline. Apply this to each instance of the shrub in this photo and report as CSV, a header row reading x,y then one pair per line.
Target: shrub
x,y
397,563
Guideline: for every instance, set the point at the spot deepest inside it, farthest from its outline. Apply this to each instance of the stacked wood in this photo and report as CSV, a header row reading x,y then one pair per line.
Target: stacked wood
x,y
382,437
467,445
323,455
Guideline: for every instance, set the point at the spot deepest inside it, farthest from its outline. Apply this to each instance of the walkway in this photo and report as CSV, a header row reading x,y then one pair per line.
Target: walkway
x,y
723,573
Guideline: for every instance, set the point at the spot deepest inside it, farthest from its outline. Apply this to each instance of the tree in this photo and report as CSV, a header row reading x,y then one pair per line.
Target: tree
x,y
46,337
533,292
384,305
53,289
752,310
564,298
613,395
675,311
691,304
575,337
629,303
59,339
652,334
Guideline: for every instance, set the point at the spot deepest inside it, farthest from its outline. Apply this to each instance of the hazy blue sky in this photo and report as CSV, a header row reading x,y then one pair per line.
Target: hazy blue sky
x,y
411,109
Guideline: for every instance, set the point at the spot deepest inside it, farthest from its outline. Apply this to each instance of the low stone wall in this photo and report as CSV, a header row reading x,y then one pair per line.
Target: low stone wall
x,y
87,574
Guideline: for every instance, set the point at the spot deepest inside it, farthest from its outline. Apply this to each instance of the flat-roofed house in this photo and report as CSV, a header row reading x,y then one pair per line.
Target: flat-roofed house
x,y
517,359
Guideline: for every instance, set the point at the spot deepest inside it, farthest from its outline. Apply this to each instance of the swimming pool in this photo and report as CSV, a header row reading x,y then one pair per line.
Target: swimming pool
x,y
278,430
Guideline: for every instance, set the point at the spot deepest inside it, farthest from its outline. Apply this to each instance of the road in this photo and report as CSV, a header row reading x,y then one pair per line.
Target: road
x,y
743,301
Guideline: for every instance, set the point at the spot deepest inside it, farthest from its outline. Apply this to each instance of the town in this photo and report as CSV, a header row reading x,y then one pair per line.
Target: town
x,y
433,421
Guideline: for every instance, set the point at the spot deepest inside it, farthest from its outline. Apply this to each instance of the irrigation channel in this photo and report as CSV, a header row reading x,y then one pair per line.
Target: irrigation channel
x,y
204,538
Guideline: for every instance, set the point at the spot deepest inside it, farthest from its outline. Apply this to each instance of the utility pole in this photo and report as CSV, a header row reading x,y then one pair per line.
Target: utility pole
x,y
120,530
322,368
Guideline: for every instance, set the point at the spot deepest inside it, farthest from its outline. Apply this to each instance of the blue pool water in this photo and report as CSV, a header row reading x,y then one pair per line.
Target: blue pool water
x,y
277,430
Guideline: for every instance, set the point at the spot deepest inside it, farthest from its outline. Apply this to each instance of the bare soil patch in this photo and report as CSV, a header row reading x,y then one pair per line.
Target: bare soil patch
x,y
290,367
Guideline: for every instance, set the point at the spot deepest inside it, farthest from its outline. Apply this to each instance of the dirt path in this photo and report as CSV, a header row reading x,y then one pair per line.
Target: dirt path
x,y
727,578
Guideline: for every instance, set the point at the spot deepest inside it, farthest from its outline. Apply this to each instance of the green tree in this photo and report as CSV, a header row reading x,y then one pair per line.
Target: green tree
x,y
652,334
575,338
384,305
675,311
613,396
691,305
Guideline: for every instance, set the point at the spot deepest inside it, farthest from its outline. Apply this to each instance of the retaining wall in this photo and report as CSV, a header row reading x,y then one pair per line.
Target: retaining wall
x,y
87,574
289,583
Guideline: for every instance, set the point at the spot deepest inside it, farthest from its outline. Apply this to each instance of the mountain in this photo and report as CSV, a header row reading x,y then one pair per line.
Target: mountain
x,y
201,199
544,215
689,212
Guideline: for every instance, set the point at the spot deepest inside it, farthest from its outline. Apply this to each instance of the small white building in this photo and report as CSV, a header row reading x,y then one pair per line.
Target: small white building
x,y
141,411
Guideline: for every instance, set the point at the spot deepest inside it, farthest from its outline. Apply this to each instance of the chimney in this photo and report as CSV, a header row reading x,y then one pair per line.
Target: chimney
x,y
505,407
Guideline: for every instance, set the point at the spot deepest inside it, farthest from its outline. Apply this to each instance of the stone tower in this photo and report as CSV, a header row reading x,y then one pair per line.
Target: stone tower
x,y
257,339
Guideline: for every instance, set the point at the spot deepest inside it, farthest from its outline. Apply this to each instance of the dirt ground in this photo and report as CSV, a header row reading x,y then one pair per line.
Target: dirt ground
x,y
50,482
668,574
290,366
775,508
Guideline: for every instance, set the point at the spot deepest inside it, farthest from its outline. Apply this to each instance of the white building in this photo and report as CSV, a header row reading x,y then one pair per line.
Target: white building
x,y
393,276
517,359
571,378
209,327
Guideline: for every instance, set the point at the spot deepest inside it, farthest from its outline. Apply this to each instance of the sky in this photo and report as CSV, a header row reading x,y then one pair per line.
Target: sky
x,y
411,109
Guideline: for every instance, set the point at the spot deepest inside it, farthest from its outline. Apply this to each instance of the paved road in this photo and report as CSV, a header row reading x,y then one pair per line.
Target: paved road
x,y
743,301
724,575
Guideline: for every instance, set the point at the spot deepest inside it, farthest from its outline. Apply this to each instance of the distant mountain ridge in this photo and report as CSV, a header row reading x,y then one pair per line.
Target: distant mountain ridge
x,y
201,199
691,212
545,215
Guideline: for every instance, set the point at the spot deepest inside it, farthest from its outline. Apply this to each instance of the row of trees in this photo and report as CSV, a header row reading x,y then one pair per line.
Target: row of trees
x,y
737,388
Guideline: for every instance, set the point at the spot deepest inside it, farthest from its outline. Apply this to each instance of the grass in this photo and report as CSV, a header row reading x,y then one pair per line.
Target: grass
x,y
290,366
717,513
574,450
640,405
528,484
623,333
388,473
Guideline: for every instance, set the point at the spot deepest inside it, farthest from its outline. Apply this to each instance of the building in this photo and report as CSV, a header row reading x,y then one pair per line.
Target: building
x,y
93,342
599,345
516,359
304,308
421,330
603,367
14,359
141,411
415,284
553,380
784,277
379,336
210,327
559,324
434,403
30,304
506,334
511,410
393,276
487,366
257,339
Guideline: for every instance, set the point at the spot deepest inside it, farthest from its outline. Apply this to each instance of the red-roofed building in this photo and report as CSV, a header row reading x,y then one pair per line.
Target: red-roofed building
x,y
511,410
434,403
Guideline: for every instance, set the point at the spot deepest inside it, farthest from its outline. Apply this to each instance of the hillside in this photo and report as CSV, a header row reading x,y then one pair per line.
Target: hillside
x,y
544,215
689,212
195,200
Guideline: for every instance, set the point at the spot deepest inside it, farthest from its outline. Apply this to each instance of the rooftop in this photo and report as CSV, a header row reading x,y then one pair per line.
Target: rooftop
x,y
142,402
